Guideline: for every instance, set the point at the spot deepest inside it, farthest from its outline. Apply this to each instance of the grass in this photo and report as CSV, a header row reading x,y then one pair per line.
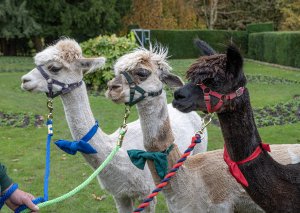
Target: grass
x,y
22,149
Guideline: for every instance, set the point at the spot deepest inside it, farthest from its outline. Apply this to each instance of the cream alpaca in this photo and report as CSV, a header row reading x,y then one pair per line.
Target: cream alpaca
x,y
203,184
64,62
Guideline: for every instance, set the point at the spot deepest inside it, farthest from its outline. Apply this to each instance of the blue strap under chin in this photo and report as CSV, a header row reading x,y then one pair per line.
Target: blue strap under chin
x,y
71,147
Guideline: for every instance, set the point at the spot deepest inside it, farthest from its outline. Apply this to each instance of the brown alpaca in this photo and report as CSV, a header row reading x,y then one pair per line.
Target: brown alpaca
x,y
274,187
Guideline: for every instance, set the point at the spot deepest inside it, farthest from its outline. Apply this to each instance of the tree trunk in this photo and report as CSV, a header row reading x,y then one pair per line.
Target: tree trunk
x,y
12,50
38,44
210,12
8,47
2,45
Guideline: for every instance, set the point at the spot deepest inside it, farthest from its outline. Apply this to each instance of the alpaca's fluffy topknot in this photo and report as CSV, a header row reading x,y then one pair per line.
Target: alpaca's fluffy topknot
x,y
64,51
154,57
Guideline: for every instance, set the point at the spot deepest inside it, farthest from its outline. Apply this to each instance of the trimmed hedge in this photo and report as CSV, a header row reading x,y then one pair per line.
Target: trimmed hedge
x,y
181,42
275,47
260,27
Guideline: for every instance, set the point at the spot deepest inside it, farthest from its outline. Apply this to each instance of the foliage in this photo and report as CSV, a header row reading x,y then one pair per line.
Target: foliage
x,y
235,15
275,47
165,14
260,27
111,47
279,114
16,21
77,19
208,9
290,10
21,120
181,45
16,26
240,13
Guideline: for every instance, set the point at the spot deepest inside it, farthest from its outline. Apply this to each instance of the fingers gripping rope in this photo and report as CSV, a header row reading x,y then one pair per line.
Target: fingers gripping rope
x,y
195,140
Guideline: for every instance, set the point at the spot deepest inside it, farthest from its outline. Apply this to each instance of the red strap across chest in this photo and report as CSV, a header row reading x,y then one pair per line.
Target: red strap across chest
x,y
233,166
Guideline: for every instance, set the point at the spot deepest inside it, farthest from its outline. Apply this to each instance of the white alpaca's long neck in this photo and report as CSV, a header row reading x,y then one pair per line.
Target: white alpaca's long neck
x,y
157,133
155,123
80,120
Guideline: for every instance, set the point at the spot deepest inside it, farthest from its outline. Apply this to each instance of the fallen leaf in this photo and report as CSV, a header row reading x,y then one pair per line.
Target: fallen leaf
x,y
99,198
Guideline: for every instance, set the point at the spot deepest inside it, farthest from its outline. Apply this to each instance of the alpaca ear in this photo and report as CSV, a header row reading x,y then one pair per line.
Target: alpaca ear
x,y
89,65
171,80
204,47
234,62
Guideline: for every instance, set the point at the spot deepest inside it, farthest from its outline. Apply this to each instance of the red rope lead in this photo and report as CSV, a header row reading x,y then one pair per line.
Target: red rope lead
x,y
196,139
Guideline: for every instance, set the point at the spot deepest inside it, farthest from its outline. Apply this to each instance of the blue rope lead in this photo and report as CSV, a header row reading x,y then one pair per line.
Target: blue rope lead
x,y
35,201
7,194
47,169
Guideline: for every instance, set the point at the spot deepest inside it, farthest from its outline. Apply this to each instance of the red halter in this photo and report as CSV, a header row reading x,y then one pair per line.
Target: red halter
x,y
208,92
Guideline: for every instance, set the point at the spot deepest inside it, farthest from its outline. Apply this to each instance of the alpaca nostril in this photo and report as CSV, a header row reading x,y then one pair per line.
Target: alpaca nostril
x,y
24,80
114,87
178,95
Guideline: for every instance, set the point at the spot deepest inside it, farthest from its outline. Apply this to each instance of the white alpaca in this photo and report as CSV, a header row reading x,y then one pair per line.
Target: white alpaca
x,y
64,62
203,183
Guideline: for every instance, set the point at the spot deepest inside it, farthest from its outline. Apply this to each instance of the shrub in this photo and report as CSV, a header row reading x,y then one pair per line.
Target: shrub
x,y
181,42
111,47
275,47
260,27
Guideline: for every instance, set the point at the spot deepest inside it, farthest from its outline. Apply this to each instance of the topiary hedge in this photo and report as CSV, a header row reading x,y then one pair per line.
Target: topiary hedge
x,y
111,47
260,27
181,42
275,47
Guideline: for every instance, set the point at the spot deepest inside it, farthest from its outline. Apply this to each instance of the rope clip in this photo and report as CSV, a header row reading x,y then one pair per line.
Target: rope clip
x,y
206,121
123,128
50,108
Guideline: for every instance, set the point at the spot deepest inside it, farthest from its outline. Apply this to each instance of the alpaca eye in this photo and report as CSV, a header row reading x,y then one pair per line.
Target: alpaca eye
x,y
54,69
208,81
143,74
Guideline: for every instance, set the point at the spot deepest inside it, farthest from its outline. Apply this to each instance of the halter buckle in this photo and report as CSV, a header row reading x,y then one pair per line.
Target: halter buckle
x,y
239,92
66,90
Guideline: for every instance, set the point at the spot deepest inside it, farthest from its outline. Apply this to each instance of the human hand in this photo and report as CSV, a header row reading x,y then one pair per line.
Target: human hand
x,y
20,197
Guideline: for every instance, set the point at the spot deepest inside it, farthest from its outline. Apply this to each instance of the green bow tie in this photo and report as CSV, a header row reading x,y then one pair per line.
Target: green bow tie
x,y
139,157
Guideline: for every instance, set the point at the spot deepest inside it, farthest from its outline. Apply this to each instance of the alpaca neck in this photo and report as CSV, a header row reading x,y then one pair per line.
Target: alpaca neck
x,y
80,120
155,123
239,130
157,132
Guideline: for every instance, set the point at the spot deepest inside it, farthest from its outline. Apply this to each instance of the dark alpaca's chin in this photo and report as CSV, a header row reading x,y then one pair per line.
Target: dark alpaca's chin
x,y
183,107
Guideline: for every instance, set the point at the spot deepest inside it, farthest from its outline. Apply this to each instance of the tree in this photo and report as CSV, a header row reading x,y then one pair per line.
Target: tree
x,y
16,26
290,10
208,9
79,19
236,14
210,12
162,14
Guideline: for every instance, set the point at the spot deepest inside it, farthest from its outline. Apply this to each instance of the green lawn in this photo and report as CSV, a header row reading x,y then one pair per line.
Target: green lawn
x,y
22,149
